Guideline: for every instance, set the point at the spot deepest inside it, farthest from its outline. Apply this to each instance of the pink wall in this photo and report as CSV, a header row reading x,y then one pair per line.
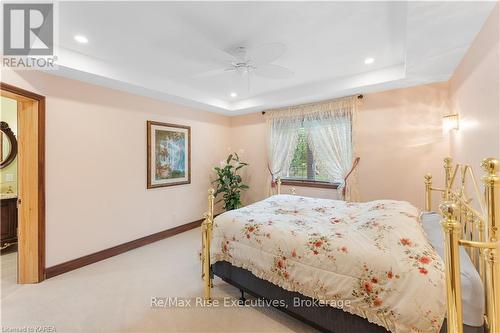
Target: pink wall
x,y
96,192
399,140
475,96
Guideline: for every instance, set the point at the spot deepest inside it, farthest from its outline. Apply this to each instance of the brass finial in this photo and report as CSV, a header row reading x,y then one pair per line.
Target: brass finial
x,y
448,209
211,191
491,165
428,178
447,162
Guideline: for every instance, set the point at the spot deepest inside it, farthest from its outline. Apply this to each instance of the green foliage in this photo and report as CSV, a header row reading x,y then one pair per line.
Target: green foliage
x,y
298,166
303,165
229,182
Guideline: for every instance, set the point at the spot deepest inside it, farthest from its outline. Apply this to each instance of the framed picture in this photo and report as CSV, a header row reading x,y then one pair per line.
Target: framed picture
x,y
169,154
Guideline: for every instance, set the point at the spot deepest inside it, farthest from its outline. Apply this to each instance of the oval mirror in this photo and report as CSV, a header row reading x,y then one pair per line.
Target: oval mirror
x,y
8,145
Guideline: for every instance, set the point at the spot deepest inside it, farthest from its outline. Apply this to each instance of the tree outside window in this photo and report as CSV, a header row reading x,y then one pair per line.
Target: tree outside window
x,y
303,165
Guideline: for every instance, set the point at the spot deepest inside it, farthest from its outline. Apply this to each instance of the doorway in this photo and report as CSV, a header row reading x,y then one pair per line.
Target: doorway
x,y
25,182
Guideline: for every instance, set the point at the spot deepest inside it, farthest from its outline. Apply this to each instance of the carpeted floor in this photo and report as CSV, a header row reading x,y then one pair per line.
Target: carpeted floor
x,y
115,295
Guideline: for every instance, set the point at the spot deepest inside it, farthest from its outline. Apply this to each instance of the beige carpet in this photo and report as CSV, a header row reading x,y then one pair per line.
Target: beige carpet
x,y
114,295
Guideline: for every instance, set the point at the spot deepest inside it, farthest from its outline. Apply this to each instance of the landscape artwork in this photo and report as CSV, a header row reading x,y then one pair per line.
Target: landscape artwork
x,y
168,154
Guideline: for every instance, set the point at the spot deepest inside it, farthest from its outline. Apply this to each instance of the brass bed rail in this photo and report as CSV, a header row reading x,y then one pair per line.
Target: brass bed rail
x,y
475,227
206,238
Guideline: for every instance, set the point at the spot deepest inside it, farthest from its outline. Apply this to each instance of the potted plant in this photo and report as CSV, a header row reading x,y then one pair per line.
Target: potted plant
x,y
229,182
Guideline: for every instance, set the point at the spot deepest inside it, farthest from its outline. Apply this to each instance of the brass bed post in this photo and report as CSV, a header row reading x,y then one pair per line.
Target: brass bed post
x,y
451,228
428,192
278,185
206,237
492,195
447,179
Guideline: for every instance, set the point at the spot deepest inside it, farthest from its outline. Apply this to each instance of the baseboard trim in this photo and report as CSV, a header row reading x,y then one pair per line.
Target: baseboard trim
x,y
116,250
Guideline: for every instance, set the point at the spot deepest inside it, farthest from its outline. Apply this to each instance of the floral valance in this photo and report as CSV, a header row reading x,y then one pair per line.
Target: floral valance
x,y
339,105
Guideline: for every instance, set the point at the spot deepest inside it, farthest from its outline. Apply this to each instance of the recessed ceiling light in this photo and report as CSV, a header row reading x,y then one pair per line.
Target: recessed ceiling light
x,y
369,60
233,94
81,39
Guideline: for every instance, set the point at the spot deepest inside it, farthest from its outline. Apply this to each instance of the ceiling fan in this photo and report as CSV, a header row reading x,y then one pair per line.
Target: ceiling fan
x,y
245,61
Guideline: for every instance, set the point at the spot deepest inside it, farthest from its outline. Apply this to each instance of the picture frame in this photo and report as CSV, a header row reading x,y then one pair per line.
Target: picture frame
x,y
168,154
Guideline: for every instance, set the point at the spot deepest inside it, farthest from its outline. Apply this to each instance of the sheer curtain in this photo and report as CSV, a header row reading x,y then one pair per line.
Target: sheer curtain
x,y
330,138
282,135
331,127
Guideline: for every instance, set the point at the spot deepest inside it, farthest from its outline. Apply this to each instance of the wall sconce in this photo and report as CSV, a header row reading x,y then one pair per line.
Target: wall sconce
x,y
450,122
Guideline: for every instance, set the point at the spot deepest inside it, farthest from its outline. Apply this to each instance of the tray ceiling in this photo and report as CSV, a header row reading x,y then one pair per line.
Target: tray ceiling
x,y
161,49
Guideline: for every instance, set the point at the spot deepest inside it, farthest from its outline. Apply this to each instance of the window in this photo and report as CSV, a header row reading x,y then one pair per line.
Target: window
x,y
312,145
303,166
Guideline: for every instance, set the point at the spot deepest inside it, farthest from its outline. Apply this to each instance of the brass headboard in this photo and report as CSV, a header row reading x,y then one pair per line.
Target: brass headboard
x,y
473,225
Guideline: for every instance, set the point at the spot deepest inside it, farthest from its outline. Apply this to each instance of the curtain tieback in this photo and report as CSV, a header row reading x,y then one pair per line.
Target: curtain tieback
x,y
273,179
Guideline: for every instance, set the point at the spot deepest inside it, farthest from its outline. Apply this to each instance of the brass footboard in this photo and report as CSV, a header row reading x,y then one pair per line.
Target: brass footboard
x,y
206,238
475,227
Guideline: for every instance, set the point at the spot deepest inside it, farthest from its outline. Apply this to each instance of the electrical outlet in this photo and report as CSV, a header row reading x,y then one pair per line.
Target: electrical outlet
x,y
9,177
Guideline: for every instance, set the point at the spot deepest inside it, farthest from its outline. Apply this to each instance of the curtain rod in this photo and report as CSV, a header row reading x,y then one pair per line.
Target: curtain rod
x,y
360,96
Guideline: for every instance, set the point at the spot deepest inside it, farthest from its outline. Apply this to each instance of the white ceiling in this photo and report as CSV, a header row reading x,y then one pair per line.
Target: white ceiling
x,y
158,49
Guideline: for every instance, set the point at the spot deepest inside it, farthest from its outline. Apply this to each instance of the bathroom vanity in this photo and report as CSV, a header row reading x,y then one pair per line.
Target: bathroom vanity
x,y
8,216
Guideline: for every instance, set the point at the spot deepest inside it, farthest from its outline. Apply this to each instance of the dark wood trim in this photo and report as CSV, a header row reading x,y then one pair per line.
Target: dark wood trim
x,y
309,183
41,168
149,123
18,91
116,250
41,188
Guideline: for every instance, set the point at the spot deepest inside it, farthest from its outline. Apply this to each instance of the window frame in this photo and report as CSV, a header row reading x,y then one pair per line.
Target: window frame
x,y
309,183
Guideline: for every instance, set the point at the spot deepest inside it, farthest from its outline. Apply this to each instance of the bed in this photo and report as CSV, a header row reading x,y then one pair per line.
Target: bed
x,y
370,267
361,257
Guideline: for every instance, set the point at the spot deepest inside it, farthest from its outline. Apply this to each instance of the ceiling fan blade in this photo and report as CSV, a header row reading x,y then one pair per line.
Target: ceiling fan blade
x,y
213,72
266,53
219,56
272,71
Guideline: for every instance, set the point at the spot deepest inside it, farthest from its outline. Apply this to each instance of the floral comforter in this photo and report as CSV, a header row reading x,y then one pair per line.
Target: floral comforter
x,y
372,256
